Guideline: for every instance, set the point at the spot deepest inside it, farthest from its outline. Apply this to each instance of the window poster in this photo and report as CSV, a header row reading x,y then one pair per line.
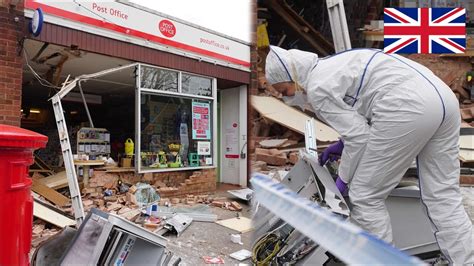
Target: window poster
x,y
201,120
204,148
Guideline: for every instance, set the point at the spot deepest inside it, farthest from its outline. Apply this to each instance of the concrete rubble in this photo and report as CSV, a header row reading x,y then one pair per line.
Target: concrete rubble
x,y
42,232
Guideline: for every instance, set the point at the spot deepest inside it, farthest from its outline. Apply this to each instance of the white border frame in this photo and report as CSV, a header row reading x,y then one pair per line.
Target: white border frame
x,y
138,93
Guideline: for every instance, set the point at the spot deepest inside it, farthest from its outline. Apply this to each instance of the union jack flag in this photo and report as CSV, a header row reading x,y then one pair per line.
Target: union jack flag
x,y
424,30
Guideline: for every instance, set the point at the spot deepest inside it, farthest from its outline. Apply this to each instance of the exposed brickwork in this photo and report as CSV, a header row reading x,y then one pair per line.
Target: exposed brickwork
x,y
466,179
197,182
168,184
271,156
11,63
293,157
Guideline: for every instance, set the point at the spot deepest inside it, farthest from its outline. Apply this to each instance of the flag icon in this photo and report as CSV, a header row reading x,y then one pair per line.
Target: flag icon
x,y
424,30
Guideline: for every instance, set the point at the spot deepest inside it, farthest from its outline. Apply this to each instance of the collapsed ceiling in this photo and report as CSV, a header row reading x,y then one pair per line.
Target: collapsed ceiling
x,y
53,64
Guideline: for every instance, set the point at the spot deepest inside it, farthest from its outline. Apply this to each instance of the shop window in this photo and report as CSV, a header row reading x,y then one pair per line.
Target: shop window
x,y
175,132
196,85
158,79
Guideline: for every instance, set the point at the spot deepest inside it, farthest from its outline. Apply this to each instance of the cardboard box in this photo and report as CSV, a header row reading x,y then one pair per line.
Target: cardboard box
x,y
126,162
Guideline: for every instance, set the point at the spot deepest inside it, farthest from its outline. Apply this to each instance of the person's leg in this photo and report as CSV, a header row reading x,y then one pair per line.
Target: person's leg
x,y
400,128
438,173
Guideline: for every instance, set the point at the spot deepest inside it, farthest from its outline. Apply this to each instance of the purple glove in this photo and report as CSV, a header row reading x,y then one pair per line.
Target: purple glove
x,y
333,152
341,186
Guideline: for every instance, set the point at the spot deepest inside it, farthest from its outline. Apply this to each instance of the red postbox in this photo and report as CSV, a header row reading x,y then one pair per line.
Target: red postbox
x,y
16,204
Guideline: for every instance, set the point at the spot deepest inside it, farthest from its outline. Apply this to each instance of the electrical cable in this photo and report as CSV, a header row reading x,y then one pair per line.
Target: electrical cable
x,y
269,245
266,249
41,80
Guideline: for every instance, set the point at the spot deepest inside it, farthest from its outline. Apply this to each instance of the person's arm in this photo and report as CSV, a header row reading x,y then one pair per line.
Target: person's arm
x,y
325,93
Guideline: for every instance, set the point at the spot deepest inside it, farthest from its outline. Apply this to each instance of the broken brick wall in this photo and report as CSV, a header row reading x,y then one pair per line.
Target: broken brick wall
x,y
12,23
180,184
168,184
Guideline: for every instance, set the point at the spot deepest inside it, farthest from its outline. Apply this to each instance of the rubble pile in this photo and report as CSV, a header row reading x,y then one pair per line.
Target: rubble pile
x,y
41,232
271,146
137,198
105,192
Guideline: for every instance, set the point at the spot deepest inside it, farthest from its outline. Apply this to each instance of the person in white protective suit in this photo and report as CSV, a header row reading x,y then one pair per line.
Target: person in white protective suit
x,y
388,110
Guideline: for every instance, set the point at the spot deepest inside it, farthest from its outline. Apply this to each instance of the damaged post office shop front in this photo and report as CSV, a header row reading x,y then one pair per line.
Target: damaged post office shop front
x,y
159,103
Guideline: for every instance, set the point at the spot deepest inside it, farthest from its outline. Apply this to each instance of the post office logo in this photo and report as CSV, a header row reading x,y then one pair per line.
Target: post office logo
x,y
167,28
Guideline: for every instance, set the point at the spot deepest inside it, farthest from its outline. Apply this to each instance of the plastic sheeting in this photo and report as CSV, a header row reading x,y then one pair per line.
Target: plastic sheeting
x,y
145,194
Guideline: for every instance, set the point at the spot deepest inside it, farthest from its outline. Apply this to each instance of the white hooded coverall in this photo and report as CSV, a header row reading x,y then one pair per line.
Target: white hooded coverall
x,y
388,110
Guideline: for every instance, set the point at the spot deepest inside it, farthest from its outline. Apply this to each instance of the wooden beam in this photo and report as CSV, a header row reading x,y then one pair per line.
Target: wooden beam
x,y
49,193
51,216
301,27
59,69
289,117
55,181
466,156
40,51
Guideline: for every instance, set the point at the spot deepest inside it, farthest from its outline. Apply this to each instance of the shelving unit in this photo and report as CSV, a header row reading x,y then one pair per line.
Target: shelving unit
x,y
93,141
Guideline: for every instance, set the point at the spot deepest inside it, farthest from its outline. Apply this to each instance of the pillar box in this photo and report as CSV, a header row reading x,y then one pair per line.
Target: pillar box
x,y
16,203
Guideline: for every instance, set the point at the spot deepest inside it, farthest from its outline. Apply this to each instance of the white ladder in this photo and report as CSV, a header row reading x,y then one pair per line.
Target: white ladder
x,y
310,137
338,21
64,136
68,160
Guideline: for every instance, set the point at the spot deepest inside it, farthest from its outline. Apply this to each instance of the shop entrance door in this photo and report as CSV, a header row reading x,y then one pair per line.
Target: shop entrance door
x,y
233,136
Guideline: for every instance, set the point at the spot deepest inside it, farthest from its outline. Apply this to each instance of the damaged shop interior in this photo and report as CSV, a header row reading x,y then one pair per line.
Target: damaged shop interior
x,y
107,98
174,188
110,109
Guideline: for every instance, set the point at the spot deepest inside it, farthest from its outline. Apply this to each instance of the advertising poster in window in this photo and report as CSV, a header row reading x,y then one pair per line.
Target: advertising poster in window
x,y
204,148
201,120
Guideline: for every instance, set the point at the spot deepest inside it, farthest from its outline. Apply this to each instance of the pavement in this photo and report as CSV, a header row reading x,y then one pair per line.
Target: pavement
x,y
209,238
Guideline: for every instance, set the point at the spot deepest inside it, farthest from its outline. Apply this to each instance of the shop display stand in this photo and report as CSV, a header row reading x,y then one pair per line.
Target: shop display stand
x,y
93,141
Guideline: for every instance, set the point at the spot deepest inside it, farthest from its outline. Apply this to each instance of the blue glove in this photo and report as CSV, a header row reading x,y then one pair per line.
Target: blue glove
x,y
341,186
332,153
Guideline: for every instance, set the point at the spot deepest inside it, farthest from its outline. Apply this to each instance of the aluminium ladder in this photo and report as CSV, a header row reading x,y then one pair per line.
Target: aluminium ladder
x,y
68,160
64,136
310,137
338,21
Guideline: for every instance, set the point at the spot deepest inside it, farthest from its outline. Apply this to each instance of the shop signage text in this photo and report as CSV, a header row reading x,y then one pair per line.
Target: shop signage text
x,y
118,20
167,28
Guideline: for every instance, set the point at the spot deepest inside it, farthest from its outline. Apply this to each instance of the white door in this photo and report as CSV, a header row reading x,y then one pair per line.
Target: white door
x,y
233,136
